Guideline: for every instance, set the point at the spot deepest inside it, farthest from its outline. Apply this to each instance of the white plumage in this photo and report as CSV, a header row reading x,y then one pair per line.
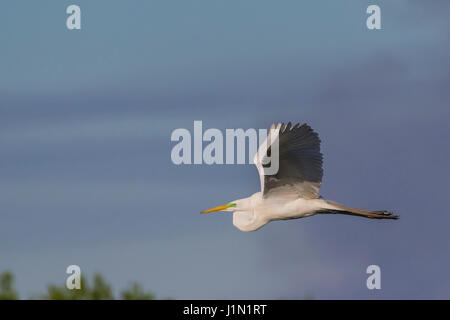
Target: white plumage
x,y
293,192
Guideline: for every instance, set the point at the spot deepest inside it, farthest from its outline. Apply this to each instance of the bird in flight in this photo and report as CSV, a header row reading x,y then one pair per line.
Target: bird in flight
x,y
293,191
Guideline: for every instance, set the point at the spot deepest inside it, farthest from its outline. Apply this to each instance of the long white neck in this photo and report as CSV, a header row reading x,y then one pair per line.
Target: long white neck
x,y
246,216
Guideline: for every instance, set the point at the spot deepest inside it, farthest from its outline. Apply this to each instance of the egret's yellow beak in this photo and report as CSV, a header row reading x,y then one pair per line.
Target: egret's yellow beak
x,y
220,208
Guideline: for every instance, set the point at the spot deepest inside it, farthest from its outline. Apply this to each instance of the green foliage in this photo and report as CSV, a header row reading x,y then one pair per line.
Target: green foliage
x,y
98,290
7,291
135,292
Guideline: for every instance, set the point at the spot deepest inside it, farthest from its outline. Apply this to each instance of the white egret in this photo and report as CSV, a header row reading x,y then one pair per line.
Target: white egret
x,y
293,192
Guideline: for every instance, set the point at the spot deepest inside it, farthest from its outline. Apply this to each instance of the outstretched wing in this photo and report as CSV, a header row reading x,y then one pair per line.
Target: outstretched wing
x,y
300,162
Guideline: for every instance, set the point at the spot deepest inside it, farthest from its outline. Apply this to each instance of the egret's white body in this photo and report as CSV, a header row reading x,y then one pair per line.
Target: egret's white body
x,y
259,210
293,192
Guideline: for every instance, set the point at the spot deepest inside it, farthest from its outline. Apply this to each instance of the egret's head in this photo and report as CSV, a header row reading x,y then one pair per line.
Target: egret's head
x,y
245,217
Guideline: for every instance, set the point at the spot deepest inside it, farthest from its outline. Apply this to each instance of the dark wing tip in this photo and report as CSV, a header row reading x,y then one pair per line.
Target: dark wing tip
x,y
289,125
285,128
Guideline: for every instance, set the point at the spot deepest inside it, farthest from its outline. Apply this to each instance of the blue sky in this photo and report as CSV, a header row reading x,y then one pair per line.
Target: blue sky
x,y
85,124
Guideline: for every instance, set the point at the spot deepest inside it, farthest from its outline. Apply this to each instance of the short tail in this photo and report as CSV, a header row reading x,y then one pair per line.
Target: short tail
x,y
335,208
